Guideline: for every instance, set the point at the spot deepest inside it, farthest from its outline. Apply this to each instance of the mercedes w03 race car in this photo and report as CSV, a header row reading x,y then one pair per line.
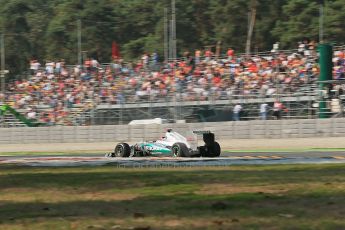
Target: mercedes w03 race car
x,y
172,144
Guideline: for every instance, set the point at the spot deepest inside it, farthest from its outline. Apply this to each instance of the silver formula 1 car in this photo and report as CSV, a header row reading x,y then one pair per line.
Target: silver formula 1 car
x,y
172,144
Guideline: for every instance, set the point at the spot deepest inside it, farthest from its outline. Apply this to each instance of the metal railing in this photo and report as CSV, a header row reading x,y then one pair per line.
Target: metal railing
x,y
85,113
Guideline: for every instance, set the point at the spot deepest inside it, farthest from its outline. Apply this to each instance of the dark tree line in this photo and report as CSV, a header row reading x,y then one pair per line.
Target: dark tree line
x,y
47,30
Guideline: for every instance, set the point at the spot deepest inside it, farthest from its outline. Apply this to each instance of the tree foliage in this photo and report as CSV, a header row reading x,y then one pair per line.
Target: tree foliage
x,y
47,30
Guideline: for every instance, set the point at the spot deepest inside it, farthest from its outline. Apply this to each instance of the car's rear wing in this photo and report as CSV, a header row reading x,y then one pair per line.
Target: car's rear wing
x,y
207,136
201,132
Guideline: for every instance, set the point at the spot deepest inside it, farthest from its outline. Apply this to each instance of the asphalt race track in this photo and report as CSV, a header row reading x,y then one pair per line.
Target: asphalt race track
x,y
227,159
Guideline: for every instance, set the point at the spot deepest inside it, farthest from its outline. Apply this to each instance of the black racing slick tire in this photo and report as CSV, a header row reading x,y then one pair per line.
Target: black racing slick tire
x,y
214,150
122,150
208,138
179,150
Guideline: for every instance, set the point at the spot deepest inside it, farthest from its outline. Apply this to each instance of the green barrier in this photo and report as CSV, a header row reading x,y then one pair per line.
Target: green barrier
x,y
19,116
326,67
2,110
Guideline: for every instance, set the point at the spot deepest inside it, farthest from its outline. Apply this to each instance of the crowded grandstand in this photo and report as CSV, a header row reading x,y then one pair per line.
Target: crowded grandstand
x,y
52,89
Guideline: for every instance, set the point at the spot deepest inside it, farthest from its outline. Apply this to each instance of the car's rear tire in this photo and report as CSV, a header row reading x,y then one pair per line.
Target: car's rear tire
x,y
122,150
213,150
208,138
180,150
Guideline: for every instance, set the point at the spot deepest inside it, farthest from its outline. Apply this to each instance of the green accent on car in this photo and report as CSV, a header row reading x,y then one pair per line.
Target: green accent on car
x,y
156,148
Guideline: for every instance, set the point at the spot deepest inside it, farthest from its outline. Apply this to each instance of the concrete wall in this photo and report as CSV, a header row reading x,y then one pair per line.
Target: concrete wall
x,y
223,130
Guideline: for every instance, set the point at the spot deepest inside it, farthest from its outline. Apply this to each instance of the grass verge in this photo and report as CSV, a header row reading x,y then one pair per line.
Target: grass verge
x,y
291,150
236,197
49,153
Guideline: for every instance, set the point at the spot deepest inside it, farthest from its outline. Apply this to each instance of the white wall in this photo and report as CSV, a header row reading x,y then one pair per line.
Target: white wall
x,y
223,130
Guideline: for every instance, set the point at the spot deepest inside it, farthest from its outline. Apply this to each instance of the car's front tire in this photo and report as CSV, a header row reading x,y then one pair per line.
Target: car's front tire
x,y
122,150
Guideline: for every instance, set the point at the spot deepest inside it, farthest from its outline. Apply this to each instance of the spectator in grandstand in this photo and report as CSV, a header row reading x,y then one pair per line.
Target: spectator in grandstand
x,y
264,108
94,65
278,108
50,67
145,59
34,66
59,66
155,58
230,53
31,114
197,56
339,65
208,55
236,112
301,48
275,48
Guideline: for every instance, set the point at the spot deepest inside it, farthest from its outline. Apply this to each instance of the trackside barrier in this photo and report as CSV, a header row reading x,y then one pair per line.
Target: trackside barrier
x,y
255,129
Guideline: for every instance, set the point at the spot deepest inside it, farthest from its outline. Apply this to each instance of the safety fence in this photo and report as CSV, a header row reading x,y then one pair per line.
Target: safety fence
x,y
255,129
102,110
